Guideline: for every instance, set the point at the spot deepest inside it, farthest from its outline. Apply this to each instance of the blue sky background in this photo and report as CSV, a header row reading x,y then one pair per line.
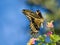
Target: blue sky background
x,y
14,26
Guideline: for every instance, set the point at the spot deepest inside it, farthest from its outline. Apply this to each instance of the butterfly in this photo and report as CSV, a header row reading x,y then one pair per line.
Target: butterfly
x,y
35,18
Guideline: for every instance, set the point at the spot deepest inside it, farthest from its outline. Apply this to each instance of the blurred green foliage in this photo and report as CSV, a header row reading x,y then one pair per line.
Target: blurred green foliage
x,y
49,4
53,41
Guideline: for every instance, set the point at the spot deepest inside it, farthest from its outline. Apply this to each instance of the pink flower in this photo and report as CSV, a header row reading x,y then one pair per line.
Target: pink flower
x,y
50,24
32,41
49,33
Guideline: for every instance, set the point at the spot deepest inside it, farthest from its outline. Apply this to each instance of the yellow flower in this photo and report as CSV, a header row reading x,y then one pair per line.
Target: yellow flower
x,y
51,36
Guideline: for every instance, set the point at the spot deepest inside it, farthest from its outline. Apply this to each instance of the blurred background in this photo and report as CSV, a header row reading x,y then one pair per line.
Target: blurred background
x,y
14,25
